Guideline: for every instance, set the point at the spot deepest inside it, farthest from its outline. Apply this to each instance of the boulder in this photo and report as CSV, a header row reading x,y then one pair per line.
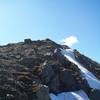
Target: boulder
x,y
67,81
27,41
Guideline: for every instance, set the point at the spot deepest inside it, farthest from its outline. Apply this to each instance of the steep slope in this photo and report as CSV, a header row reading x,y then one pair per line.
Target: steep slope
x,y
91,79
44,70
89,64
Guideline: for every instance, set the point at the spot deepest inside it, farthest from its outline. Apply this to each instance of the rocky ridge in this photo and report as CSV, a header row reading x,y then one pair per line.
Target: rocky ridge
x,y
30,70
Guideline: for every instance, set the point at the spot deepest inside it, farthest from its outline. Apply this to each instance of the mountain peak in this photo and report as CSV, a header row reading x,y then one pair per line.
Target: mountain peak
x,y
37,70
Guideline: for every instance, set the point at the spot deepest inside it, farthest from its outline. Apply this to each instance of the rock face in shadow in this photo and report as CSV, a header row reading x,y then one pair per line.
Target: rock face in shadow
x,y
95,95
30,70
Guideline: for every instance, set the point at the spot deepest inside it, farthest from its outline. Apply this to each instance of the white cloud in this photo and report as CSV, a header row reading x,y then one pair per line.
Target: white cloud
x,y
71,40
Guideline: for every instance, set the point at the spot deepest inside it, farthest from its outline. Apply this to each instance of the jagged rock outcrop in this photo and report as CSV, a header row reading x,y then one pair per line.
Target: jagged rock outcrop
x,y
30,70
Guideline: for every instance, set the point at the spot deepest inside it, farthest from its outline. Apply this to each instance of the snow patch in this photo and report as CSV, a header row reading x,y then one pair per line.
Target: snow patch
x,y
77,95
91,79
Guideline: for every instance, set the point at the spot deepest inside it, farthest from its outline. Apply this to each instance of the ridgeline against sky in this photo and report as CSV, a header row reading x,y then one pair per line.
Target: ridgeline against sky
x,y
55,19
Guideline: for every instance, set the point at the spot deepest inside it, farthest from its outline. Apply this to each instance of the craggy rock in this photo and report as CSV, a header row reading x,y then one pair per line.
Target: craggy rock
x,y
91,65
67,81
30,70
40,92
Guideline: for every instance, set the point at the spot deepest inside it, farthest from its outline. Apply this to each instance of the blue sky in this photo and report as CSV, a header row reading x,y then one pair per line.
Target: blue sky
x,y
55,19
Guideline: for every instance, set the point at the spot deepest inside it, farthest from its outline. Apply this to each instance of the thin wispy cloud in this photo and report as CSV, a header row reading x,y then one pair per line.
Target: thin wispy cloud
x,y
70,41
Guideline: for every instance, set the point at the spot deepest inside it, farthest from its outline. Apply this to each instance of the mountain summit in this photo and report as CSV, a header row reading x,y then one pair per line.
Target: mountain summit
x,y
45,70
